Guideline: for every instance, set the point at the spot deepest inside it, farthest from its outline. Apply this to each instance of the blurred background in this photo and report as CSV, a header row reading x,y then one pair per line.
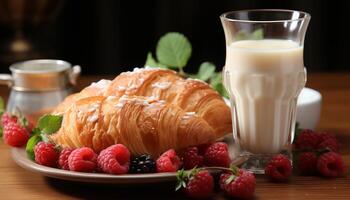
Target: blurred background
x,y
110,36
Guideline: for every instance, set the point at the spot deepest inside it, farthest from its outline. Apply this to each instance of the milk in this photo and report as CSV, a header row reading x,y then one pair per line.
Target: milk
x,y
264,79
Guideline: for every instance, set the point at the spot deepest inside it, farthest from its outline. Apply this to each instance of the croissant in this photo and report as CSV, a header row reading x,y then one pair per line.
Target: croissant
x,y
189,94
143,124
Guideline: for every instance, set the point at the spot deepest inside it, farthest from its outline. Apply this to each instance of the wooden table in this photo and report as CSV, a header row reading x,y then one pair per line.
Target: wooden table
x,y
16,183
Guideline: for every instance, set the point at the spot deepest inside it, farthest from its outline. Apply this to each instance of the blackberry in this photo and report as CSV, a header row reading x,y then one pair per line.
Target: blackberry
x,y
142,164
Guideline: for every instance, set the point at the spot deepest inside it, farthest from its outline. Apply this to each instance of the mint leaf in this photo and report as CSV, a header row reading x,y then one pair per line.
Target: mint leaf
x,y
258,34
216,79
173,49
205,71
35,139
50,123
241,35
216,83
2,104
150,61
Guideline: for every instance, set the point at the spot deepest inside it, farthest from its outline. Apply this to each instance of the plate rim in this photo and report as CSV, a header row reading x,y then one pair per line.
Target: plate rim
x,y
20,157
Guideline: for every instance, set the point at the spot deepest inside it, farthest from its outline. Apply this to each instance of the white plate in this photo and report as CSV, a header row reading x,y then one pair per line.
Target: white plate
x,y
20,157
309,106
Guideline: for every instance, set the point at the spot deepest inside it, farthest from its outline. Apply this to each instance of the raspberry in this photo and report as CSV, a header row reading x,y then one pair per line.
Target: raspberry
x,y
306,164
330,143
192,158
14,134
279,168
168,162
200,185
63,158
82,160
238,184
330,165
325,135
203,148
307,140
6,118
217,155
46,154
114,159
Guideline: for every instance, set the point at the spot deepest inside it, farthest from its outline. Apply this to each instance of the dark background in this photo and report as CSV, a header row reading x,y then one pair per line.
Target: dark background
x,y
110,36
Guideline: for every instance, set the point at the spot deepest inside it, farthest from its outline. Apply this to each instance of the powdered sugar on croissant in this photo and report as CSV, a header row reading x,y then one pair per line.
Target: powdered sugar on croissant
x,y
144,125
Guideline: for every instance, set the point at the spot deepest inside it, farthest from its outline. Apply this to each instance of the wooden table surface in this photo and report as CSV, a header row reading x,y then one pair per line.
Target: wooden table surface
x,y
17,183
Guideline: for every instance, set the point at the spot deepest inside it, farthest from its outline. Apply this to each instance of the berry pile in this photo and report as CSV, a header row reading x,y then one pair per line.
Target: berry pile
x,y
318,153
314,153
209,155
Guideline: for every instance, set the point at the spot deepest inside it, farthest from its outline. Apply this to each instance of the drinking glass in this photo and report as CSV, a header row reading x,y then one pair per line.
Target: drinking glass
x,y
263,74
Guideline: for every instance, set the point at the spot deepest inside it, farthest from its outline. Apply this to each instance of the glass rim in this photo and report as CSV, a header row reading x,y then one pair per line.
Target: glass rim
x,y
224,16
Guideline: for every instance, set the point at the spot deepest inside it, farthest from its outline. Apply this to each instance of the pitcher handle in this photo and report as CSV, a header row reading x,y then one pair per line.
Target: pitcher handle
x,y
75,73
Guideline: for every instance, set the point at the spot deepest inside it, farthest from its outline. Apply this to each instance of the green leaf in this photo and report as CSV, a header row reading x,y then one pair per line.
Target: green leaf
x,y
1,130
178,186
206,70
216,83
150,61
50,123
258,34
44,137
31,144
241,35
216,79
181,179
173,49
2,104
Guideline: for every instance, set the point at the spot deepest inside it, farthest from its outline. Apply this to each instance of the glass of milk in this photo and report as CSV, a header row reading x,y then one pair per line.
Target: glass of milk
x,y
264,74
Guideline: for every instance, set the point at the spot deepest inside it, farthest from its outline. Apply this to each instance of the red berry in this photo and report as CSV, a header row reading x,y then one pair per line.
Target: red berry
x,y
168,162
326,135
192,158
14,134
200,185
203,148
279,168
82,160
114,159
63,158
330,143
307,140
239,185
30,127
306,164
46,154
330,165
6,118
217,155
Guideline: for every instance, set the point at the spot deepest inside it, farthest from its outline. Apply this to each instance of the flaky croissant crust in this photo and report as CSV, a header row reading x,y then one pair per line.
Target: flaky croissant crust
x,y
188,97
189,94
142,124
